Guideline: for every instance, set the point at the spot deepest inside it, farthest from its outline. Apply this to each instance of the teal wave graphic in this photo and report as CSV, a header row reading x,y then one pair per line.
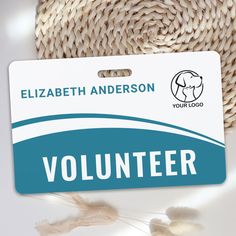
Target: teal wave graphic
x,y
109,116
30,175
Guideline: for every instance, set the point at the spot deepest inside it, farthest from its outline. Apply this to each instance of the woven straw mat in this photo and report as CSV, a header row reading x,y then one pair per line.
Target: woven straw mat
x,y
80,28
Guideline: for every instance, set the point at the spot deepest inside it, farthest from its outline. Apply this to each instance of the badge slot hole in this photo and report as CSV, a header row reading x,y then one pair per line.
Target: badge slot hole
x,y
114,73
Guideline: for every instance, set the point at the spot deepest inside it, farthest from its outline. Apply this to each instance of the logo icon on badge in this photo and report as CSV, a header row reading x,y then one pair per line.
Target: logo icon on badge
x,y
187,86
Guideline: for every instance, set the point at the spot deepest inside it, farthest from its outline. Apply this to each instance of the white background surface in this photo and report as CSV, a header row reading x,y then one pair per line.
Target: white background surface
x,y
18,214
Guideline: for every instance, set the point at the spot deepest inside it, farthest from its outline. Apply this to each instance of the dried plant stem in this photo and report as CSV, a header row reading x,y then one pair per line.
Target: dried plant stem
x,y
91,214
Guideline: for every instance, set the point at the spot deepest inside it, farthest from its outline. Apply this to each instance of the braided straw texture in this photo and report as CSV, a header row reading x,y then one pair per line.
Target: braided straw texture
x,y
80,28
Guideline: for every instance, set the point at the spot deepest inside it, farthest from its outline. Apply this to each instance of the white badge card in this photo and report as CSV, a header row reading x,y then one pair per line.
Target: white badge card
x,y
161,124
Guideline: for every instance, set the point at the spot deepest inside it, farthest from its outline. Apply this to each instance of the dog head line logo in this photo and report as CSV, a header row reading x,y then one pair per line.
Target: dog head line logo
x,y
187,86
